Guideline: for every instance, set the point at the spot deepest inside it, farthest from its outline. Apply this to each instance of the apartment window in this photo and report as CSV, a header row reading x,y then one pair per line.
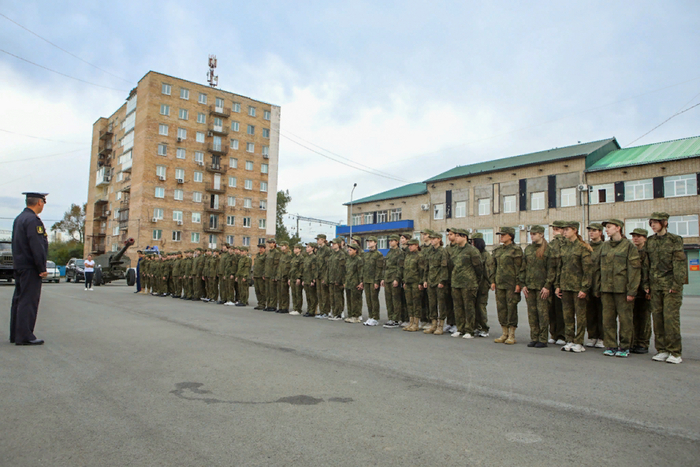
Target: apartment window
x,y
251,111
196,217
381,217
438,211
461,209
235,126
262,223
488,235
231,201
263,187
236,107
198,176
183,114
266,151
162,150
163,129
178,195
247,203
181,134
248,184
219,103
369,218
599,194
115,230
250,147
212,241
485,207
202,98
157,234
266,132
119,194
199,156
639,190
233,163
199,137
177,216
395,214
234,144
218,123
568,197
160,171
680,185
179,174
249,165
201,117
263,204
537,201
266,115
509,204
177,235
230,220
165,89
232,182
180,153
357,219
164,109
194,237
684,226
264,168
158,213
184,93
246,222
197,196
246,241
251,129
637,223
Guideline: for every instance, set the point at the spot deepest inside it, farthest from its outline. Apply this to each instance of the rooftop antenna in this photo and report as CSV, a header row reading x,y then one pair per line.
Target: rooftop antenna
x,y
211,77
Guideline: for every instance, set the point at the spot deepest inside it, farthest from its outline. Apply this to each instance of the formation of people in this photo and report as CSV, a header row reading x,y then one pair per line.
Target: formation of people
x,y
610,289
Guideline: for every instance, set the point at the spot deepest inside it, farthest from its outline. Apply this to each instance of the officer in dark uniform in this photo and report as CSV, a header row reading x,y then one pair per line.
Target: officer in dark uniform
x,y
29,250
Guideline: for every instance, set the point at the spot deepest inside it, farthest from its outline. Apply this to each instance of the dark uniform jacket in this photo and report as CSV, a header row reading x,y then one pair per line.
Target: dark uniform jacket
x,y
30,246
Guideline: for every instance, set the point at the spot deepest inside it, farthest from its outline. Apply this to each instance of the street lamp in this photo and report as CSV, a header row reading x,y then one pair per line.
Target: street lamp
x,y
353,191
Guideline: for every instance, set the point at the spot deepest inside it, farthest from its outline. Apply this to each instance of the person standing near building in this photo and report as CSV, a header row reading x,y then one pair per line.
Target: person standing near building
x,y
372,274
272,262
322,288
212,277
234,255
393,267
30,248
309,276
424,252
242,274
89,267
537,275
283,277
620,275
295,270
258,273
668,272
186,275
556,313
139,275
575,271
466,272
594,308
482,293
413,284
353,283
404,238
508,259
176,275
221,267
336,277
436,281
198,274
641,315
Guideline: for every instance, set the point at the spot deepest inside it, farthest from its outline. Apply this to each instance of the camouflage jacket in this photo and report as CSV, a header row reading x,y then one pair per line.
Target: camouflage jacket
x,y
295,267
309,272
436,266
575,267
232,264
221,265
213,266
243,267
167,268
489,275
285,265
272,263
508,260
373,267
198,266
412,268
595,259
467,269
555,246
641,293
353,271
322,256
186,267
177,266
336,267
666,263
538,273
620,267
259,265
393,266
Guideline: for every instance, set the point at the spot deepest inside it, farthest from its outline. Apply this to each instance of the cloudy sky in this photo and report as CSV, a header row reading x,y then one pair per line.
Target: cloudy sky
x,y
408,89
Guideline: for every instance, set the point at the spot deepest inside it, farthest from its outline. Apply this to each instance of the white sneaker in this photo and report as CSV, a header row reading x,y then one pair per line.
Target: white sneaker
x,y
600,344
229,303
357,320
560,342
294,313
467,336
404,324
456,334
551,341
334,318
453,329
674,359
592,343
446,328
578,348
483,334
567,346
371,322
661,357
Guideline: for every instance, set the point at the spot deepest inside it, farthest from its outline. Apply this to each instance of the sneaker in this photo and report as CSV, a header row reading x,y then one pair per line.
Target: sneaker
x,y
391,324
229,303
600,344
609,352
404,324
357,320
456,334
453,329
446,328
294,313
551,341
674,359
335,318
560,342
567,346
577,348
307,315
483,334
371,322
622,353
320,316
661,357
592,343
467,336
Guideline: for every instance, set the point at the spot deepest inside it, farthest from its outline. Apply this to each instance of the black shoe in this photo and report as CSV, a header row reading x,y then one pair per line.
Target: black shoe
x,y
271,309
34,342
240,304
307,315
258,308
640,350
283,311
137,291
540,345
532,344
219,302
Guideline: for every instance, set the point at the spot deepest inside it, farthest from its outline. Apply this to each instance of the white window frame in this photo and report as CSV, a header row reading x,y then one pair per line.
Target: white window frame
x,y
232,163
161,171
246,241
198,176
537,201
194,237
266,132
262,223
231,201
510,204
184,94
199,156
232,182
438,211
162,149
263,205
568,197
163,129
177,235
460,209
263,187
251,130
196,217
684,226
182,134
199,137
395,215
179,174
234,144
236,107
688,182
197,196
231,221
201,117
248,203
157,234
266,150
181,153
636,223
183,114
251,111
248,184
357,219
235,126
246,222
382,216
178,195
264,168
165,110
165,89
594,194
267,115
484,205
638,190
158,213
202,99
177,216
368,218
250,147
249,165
488,235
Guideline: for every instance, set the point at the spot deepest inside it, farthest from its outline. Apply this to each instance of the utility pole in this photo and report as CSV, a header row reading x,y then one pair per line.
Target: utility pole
x,y
351,193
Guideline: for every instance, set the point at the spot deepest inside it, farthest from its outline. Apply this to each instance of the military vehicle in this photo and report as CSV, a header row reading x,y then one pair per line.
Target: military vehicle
x,y
7,270
114,266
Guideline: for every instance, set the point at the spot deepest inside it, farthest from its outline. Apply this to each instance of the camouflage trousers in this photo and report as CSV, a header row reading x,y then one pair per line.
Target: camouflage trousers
x,y
271,292
354,303
198,287
233,295
324,298
297,296
392,300
594,317
187,285
404,306
223,288
259,285
538,315
213,288
414,298
641,317
424,306
482,317
437,302
617,308
283,293
574,310
145,282
449,306
666,311
170,285
507,306
243,290
348,298
372,299
556,319
465,309
337,299
311,299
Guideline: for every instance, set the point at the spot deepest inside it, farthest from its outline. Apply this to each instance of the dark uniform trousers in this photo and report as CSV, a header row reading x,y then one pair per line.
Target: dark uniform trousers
x,y
337,299
392,298
283,293
372,299
404,306
25,303
594,317
223,288
642,323
243,291
297,296
311,299
556,319
259,285
198,286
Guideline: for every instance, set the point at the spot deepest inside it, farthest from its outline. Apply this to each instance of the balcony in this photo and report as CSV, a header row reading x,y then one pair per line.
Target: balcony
x,y
102,200
98,249
219,111
101,214
218,130
124,204
216,168
104,176
217,210
218,149
107,133
99,233
105,152
210,229
210,188
126,165
124,225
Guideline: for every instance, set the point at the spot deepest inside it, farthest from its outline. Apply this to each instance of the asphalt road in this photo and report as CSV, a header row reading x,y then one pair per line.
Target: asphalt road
x,y
129,379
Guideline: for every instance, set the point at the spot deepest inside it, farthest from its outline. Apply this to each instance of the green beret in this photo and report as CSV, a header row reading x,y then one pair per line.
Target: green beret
x,y
595,226
616,222
659,216
413,241
371,238
642,232
323,236
537,229
507,230
477,235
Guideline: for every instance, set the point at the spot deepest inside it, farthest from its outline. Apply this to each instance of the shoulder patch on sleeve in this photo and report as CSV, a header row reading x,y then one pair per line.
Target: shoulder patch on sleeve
x,y
40,229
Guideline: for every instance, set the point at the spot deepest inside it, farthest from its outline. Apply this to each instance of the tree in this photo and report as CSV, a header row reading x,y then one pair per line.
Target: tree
x,y
73,221
61,252
281,232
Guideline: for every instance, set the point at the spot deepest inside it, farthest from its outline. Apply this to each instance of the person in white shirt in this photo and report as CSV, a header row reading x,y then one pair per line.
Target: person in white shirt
x,y
89,272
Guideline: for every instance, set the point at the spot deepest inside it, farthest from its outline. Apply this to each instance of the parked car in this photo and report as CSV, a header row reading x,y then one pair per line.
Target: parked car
x,y
75,270
54,274
6,263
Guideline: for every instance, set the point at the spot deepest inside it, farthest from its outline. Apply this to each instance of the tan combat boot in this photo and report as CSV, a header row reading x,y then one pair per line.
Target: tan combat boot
x,y
504,337
511,336
432,328
410,324
415,326
440,325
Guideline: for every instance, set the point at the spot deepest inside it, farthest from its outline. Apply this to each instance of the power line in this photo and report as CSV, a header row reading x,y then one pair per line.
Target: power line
x,y
38,137
62,49
42,157
669,118
62,74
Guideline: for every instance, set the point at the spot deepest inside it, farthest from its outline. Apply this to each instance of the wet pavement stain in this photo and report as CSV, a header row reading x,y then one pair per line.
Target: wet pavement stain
x,y
189,391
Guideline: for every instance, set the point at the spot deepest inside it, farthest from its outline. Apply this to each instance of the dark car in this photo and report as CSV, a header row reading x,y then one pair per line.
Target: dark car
x,y
6,262
75,270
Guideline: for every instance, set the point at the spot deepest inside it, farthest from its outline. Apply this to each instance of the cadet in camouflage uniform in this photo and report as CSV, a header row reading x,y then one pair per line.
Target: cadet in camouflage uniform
x,y
336,278
403,244
594,308
413,284
322,288
466,271
176,275
372,274
556,313
198,274
283,277
620,275
186,275
537,274
295,270
242,276
449,303
641,315
146,280
668,272
309,276
424,252
353,283
574,283
258,273
215,259
508,258
488,277
272,262
221,276
169,287
393,268
231,269
436,281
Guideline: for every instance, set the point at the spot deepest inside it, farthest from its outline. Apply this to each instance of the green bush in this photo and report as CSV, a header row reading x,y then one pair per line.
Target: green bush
x,y
61,252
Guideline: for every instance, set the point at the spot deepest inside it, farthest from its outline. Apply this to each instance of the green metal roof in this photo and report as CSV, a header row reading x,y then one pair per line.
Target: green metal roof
x,y
407,190
584,149
649,154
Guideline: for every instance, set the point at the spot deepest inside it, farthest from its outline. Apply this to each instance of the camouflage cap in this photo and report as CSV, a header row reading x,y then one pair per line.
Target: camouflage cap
x,y
199,248
323,236
413,241
337,240
406,235
354,247
616,222
283,243
357,239
371,238
642,232
243,248
571,224
271,240
394,237
537,229
595,226
558,224
312,244
434,234
298,245
262,245
659,216
506,230
477,235
463,232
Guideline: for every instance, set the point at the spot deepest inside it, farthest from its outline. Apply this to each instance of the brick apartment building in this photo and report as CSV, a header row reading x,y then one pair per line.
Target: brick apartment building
x,y
587,182
182,165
